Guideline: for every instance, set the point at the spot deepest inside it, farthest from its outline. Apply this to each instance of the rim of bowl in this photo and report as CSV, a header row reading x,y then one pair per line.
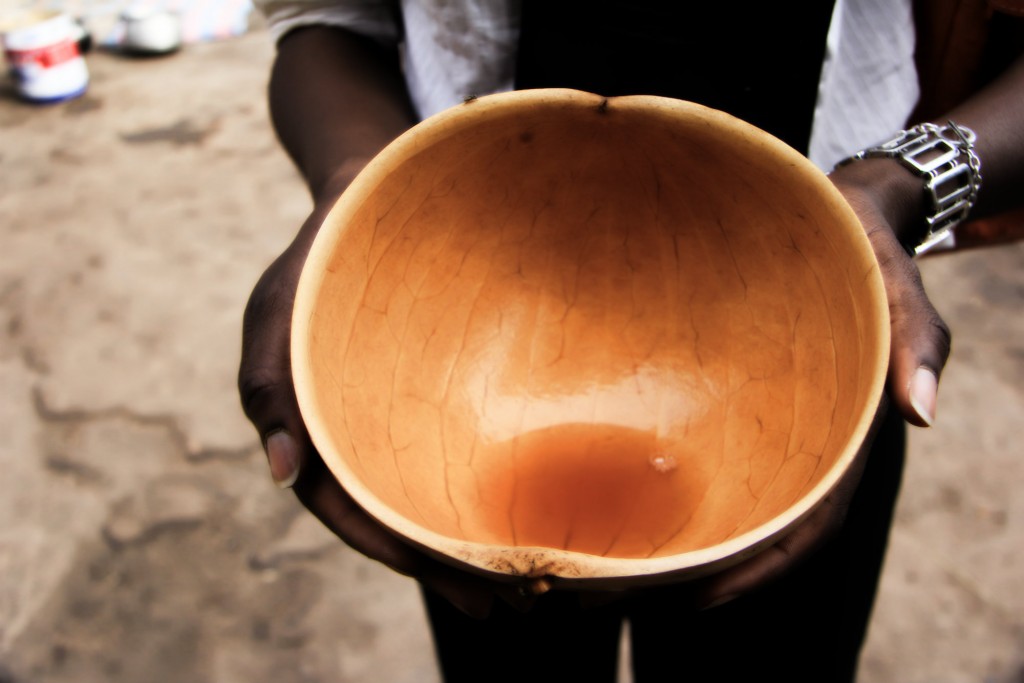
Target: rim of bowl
x,y
523,561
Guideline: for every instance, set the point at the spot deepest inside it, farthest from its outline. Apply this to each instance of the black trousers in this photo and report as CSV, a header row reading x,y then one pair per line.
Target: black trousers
x,y
809,626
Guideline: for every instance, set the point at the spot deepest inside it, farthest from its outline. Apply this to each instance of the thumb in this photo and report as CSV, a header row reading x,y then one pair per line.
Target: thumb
x,y
920,338
264,375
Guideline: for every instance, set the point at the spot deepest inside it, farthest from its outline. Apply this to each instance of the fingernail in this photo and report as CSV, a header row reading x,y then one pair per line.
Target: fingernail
x,y
718,602
533,588
283,457
924,387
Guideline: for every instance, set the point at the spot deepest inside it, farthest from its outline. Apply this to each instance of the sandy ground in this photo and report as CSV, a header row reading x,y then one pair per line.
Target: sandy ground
x,y
141,538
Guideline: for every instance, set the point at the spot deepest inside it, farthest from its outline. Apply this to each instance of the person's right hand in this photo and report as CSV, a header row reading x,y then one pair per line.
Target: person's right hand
x,y
268,397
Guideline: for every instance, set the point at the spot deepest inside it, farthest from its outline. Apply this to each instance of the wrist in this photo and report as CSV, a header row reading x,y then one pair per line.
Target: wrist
x,y
326,187
895,193
943,159
326,190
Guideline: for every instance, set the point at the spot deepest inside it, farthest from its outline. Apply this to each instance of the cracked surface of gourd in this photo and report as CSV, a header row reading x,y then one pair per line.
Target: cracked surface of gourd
x,y
587,327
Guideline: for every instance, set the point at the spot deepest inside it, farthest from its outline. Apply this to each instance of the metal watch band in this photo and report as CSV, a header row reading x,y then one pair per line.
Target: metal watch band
x,y
944,156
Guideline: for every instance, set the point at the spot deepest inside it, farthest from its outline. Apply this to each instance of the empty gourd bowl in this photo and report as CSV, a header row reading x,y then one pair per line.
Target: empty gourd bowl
x,y
613,342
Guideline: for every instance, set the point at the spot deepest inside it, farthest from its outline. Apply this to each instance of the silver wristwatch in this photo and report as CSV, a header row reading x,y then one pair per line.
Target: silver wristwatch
x,y
944,156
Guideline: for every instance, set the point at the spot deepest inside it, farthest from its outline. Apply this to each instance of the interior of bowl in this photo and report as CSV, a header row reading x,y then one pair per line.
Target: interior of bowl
x,y
629,330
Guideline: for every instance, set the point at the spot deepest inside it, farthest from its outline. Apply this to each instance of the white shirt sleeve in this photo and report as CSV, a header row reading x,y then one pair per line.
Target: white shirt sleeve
x,y
869,82
457,49
370,18
451,49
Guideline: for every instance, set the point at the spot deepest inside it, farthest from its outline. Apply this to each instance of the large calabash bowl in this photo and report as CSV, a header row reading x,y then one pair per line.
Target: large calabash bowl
x,y
611,342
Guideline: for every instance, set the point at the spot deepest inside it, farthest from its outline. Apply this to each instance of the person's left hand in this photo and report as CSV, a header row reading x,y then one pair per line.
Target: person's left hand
x,y
920,347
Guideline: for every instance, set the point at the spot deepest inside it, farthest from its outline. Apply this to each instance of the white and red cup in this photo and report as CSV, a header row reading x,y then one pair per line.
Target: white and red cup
x,y
42,50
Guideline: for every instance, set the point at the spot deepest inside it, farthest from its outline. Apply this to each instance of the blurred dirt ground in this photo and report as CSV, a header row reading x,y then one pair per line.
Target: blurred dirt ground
x,y
141,538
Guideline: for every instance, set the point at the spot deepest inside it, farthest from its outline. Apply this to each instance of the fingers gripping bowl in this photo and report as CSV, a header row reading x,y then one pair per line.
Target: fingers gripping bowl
x,y
612,342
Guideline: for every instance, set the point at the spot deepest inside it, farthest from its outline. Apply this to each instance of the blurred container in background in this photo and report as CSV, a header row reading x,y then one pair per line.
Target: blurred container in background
x,y
42,49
